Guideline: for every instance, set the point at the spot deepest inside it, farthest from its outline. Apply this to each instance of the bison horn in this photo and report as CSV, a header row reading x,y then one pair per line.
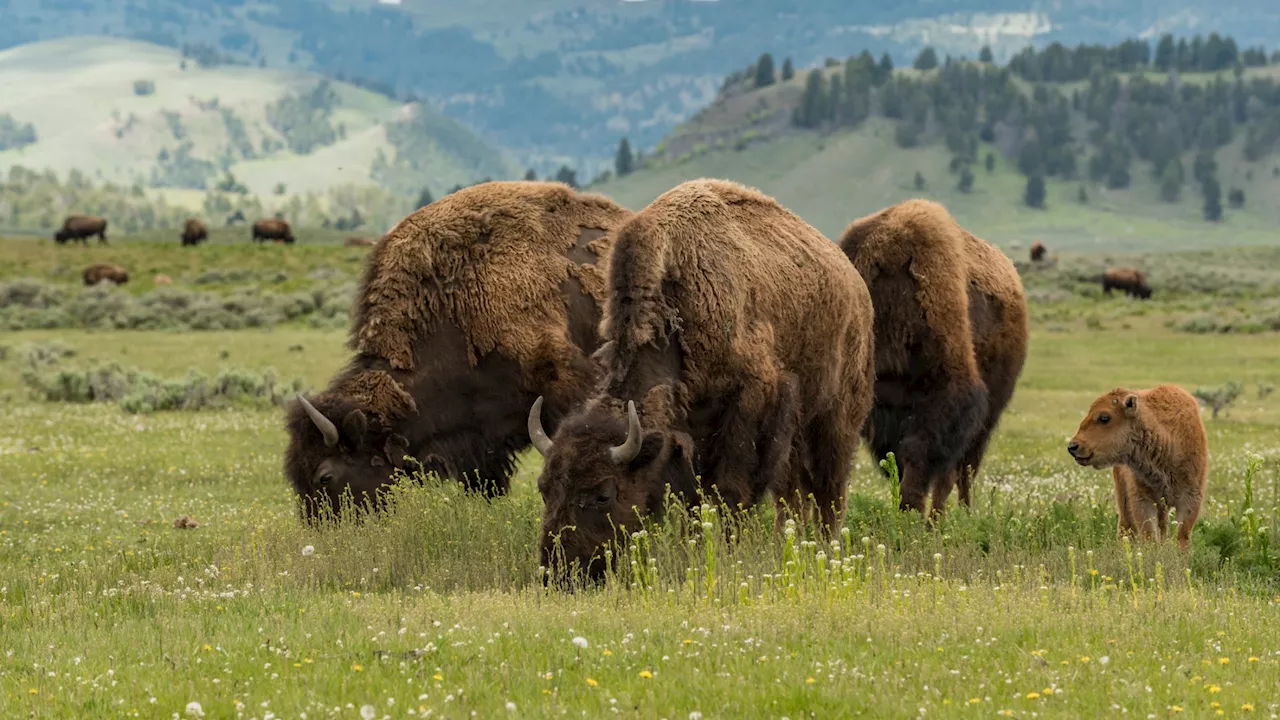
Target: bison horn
x,y
324,424
537,435
630,448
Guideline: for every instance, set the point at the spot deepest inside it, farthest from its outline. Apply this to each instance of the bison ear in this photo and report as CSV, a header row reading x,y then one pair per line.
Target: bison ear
x,y
1131,406
395,449
355,425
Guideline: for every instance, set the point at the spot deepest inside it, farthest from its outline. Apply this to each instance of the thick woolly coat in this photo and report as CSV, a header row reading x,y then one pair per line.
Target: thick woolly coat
x,y
951,340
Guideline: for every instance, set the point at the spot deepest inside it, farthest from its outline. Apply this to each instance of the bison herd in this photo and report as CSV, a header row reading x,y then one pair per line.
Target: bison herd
x,y
713,346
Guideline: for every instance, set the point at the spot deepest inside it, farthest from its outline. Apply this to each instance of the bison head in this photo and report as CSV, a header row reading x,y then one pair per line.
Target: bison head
x,y
328,461
1104,437
600,476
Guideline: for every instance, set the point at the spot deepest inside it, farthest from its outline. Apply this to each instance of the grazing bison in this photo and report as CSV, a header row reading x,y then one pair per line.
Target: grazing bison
x,y
738,360
357,242
194,232
1037,251
100,272
272,229
951,339
1154,442
469,309
82,227
1131,280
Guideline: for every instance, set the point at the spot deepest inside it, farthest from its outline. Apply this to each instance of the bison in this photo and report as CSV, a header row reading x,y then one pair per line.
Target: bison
x,y
272,229
357,242
101,272
469,309
1154,442
1131,280
82,227
737,352
194,232
951,340
1038,251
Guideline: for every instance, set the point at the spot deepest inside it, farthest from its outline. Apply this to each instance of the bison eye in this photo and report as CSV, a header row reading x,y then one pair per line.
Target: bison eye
x,y
1103,419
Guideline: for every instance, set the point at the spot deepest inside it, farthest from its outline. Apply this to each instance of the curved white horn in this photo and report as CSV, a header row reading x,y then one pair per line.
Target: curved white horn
x,y
630,448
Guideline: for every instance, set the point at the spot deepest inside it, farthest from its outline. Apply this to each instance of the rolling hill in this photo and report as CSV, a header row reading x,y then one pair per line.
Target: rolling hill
x,y
562,80
132,112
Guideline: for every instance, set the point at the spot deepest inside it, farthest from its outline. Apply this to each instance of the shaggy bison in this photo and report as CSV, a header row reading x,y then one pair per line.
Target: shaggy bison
x,y
100,272
469,309
272,229
738,360
951,339
1154,442
82,227
1037,251
194,232
1131,280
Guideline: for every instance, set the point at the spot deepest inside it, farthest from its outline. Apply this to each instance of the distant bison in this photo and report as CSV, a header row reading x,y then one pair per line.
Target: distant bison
x,y
951,340
738,362
357,242
469,309
100,272
194,232
82,227
272,229
1131,280
1154,442
1037,251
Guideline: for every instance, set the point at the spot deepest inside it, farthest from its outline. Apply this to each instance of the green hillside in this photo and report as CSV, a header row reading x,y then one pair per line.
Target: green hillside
x,y
866,154
136,113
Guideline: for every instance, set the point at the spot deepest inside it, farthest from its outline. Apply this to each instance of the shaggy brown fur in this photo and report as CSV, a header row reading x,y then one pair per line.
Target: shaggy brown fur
x,y
272,229
1154,442
469,309
1037,251
357,242
194,232
96,273
82,227
951,339
1131,280
744,340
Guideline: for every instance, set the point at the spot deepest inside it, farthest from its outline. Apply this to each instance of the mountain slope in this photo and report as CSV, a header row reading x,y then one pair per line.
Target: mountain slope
x,y
565,80
134,112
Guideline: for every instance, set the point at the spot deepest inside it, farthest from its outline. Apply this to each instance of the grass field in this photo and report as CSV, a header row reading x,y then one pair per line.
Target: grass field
x,y
1025,607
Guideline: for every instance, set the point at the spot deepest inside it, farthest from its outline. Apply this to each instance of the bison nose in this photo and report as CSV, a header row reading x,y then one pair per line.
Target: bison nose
x,y
1072,447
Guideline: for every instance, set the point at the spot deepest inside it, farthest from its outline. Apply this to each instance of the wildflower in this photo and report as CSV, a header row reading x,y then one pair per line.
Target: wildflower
x,y
511,707
357,667
194,710
309,550
591,682
645,674
581,642
368,712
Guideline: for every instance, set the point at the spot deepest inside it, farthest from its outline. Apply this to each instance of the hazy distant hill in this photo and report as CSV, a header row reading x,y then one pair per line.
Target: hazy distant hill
x,y
563,79
135,112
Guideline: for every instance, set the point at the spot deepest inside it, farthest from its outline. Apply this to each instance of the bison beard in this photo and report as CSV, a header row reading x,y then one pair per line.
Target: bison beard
x,y
727,394
468,310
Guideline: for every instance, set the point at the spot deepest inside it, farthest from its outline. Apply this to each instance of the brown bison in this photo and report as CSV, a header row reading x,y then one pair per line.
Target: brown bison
x,y
272,229
951,339
100,272
469,309
357,242
1154,442
1131,280
82,227
1037,251
194,232
738,360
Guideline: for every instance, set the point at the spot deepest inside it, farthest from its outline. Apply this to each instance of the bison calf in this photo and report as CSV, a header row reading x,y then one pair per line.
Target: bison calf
x,y
100,272
1131,280
738,361
1154,442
